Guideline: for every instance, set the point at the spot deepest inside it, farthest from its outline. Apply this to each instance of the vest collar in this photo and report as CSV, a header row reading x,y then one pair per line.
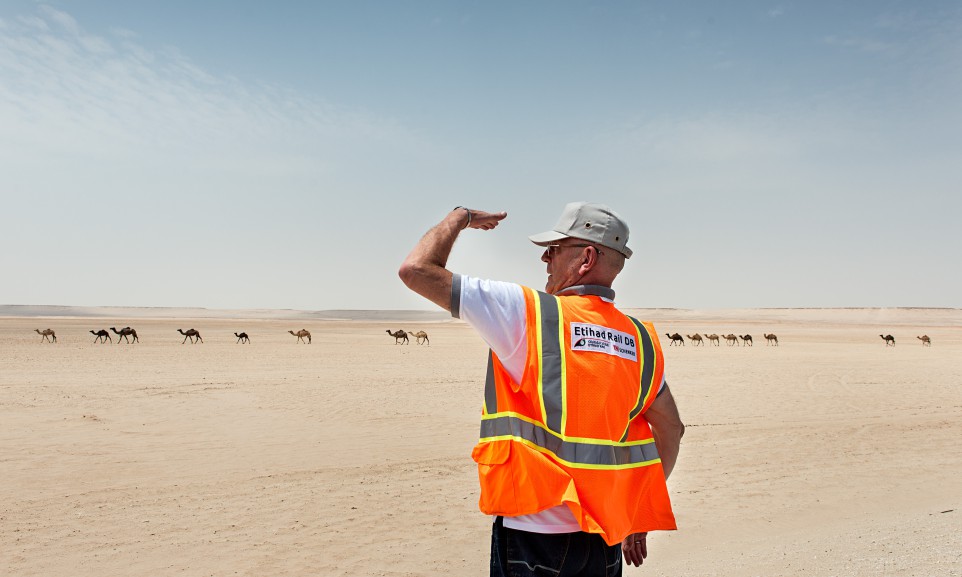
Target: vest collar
x,y
604,292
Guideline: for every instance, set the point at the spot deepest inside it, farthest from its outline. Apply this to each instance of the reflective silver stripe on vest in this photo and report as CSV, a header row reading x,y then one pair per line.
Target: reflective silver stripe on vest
x,y
551,391
647,370
490,388
574,452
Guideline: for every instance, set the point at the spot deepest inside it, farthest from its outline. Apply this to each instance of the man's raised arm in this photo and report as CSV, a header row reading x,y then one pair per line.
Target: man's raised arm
x,y
424,272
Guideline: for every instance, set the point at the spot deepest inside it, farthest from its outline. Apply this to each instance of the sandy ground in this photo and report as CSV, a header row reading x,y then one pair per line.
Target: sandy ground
x,y
828,455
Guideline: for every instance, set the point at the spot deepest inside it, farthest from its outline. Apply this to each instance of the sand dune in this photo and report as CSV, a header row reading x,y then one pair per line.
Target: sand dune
x,y
829,455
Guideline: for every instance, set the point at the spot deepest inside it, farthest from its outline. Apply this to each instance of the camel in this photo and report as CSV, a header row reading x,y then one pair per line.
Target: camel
x,y
242,338
732,339
398,336
191,334
696,339
419,336
124,333
771,338
675,339
46,335
747,340
889,340
926,341
713,338
301,334
102,336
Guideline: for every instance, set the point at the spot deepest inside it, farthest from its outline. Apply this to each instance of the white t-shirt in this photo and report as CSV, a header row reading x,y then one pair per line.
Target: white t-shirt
x,y
496,310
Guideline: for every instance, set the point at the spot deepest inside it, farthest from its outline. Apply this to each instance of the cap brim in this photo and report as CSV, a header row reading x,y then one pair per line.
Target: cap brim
x,y
547,237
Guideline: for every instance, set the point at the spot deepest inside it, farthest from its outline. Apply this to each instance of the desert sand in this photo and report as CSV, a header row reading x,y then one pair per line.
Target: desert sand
x,y
830,454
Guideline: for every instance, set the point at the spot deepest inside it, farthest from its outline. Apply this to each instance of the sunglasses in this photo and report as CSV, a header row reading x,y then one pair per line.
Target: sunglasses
x,y
554,248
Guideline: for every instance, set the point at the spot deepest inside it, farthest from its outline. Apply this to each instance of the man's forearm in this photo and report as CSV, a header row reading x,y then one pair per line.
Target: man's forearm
x,y
667,428
668,444
423,271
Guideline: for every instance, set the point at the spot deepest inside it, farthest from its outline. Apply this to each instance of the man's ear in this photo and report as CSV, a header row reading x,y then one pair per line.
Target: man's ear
x,y
589,262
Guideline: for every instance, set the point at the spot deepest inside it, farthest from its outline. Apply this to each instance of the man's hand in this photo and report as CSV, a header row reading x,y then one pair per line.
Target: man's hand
x,y
484,220
635,548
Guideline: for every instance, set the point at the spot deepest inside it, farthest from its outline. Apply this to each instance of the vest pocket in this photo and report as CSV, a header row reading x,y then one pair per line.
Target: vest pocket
x,y
498,478
491,453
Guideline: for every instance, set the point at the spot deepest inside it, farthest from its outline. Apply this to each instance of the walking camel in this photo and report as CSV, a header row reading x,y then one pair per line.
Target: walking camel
x,y
399,335
771,338
242,338
732,339
889,340
713,338
124,333
301,335
696,339
46,335
926,341
419,336
102,336
191,334
675,339
746,340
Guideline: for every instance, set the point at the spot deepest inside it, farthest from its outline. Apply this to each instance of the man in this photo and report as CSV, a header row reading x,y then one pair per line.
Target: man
x,y
579,430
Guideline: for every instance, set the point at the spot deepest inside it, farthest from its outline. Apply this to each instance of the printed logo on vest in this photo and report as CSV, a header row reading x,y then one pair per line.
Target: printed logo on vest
x,y
599,339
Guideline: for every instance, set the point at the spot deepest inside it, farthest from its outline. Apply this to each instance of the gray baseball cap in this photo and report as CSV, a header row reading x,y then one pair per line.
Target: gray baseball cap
x,y
595,223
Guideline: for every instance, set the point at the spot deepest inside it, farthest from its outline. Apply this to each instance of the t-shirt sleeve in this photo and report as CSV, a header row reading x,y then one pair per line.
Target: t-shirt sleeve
x,y
496,310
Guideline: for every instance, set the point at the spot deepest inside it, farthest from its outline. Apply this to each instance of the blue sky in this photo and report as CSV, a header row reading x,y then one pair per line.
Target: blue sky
x,y
289,154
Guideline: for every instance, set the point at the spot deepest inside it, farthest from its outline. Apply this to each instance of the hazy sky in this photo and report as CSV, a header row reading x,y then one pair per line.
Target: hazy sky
x,y
238,154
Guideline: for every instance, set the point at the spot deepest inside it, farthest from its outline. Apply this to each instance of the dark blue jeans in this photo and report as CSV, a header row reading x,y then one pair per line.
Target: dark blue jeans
x,y
522,554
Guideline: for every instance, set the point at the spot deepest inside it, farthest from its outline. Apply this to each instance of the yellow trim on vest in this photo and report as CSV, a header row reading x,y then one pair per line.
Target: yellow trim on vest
x,y
570,464
537,327
564,367
586,440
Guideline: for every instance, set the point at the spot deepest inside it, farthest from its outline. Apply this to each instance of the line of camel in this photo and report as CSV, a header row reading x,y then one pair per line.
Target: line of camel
x,y
102,336
421,337
890,340
303,336
401,337
771,339
732,340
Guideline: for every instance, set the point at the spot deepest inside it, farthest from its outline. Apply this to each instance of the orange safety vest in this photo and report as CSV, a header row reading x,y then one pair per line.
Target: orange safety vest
x,y
573,430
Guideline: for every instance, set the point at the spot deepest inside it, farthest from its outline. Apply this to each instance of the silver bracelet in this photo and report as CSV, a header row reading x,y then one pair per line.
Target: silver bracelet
x,y
469,215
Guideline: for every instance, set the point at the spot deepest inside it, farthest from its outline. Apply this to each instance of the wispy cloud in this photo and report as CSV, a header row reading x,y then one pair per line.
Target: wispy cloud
x,y
114,98
102,132
64,20
34,22
863,44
